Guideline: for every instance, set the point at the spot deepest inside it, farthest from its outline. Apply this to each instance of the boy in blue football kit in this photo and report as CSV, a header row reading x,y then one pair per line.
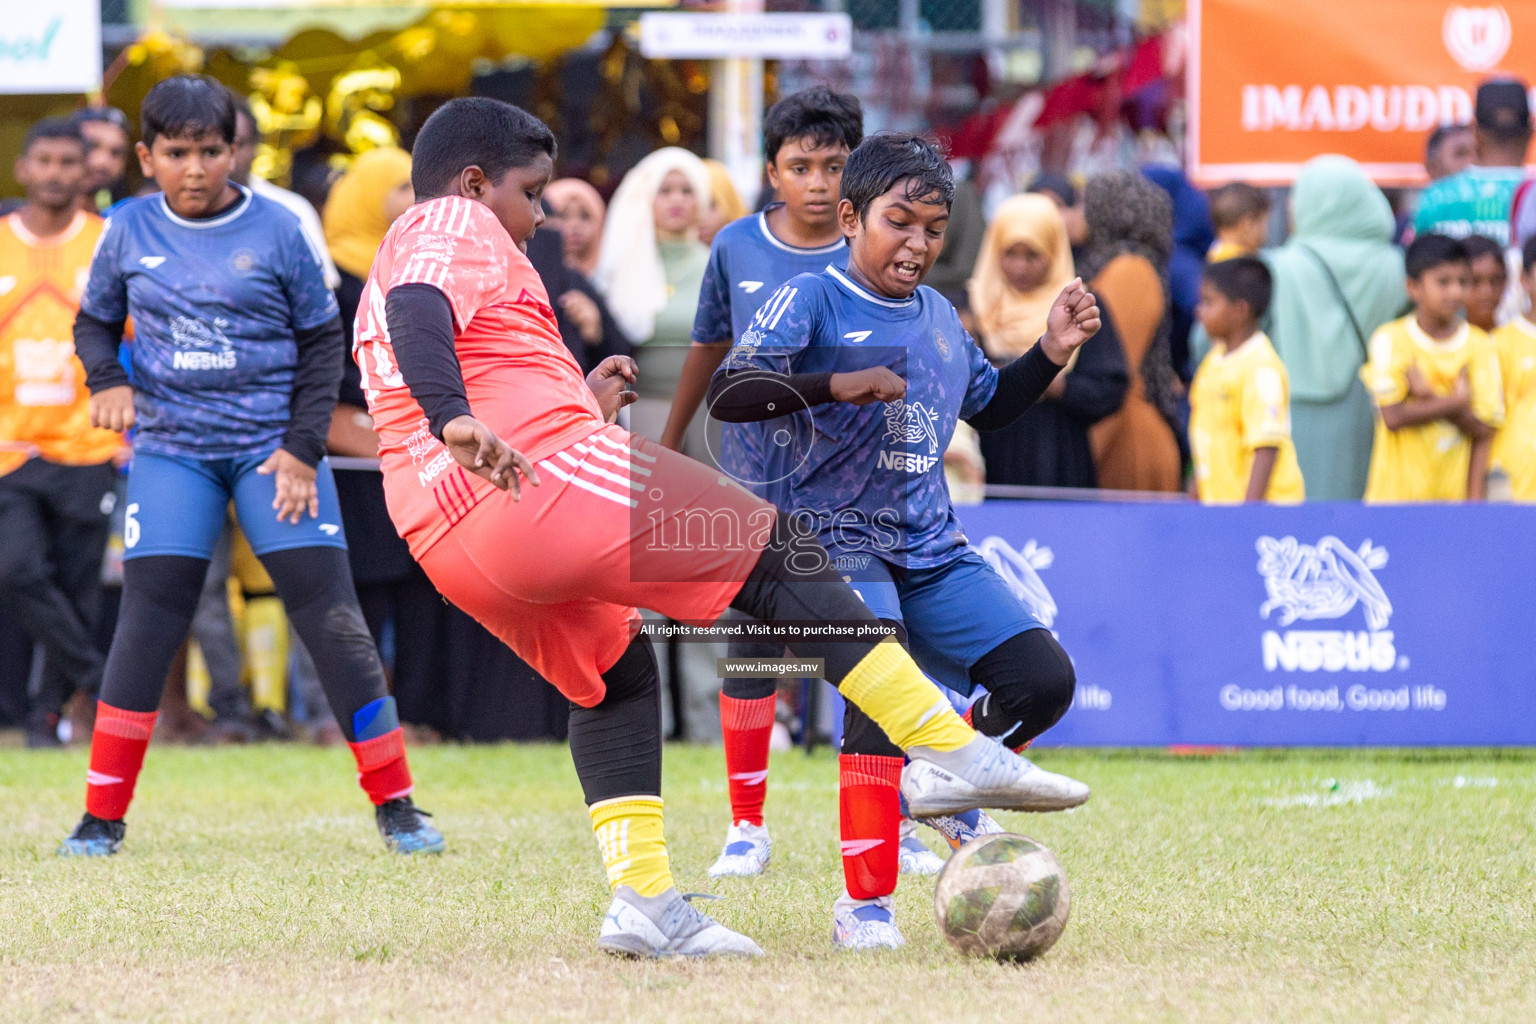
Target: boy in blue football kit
x,y
236,361
868,473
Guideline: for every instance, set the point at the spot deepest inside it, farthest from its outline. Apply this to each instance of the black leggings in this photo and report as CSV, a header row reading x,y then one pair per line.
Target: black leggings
x,y
160,594
616,744
1029,684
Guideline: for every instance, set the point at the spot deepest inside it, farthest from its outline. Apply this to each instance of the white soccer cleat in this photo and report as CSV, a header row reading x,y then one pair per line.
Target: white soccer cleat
x,y
746,854
959,829
915,857
865,924
983,773
654,927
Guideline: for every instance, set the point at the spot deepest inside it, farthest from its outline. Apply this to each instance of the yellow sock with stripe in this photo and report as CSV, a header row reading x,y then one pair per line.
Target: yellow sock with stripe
x,y
888,686
629,836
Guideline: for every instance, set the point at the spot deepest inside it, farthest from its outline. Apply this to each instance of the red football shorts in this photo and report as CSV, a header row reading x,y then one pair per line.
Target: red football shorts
x,y
618,523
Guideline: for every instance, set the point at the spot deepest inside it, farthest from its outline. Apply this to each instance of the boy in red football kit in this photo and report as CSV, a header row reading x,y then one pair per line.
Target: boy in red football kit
x,y
462,361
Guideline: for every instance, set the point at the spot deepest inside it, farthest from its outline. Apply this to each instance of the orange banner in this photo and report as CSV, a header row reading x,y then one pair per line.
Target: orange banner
x,y
1273,83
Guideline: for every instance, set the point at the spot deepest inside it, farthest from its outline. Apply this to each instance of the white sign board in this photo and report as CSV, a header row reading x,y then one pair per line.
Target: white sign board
x,y
50,46
726,36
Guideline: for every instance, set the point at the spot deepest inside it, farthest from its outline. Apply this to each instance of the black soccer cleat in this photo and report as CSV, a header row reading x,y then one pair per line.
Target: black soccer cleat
x,y
405,828
94,837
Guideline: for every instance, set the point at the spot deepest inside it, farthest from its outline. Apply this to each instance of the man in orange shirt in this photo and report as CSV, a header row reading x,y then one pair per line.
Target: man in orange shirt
x,y
56,470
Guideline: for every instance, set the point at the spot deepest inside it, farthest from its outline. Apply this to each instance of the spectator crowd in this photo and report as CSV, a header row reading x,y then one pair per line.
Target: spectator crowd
x,y
1328,348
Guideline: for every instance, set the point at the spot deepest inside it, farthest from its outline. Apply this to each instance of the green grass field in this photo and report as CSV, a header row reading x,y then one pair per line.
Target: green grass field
x,y
1311,886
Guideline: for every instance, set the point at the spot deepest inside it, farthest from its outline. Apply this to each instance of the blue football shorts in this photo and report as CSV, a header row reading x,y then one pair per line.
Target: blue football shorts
x,y
176,506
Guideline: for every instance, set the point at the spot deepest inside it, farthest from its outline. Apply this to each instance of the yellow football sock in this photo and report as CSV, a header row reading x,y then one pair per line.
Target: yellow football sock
x,y
629,836
266,653
888,686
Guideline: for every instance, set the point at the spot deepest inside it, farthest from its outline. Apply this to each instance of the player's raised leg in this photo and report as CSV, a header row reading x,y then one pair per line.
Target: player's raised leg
x,y
950,767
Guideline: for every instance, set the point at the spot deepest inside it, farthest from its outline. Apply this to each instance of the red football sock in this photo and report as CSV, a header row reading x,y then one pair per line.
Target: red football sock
x,y
118,742
747,726
382,770
869,805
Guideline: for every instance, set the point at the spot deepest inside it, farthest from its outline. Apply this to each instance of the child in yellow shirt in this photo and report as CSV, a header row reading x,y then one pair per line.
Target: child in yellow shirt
x,y
1240,400
1240,215
1435,379
1514,446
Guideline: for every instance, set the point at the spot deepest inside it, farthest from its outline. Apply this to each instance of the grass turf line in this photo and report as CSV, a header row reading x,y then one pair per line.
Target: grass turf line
x,y
1310,886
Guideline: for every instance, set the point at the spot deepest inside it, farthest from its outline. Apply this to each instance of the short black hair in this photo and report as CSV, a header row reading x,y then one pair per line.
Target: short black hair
x,y
1478,246
475,131
1058,185
818,115
187,106
1235,202
1430,251
53,128
243,109
888,159
1439,135
1242,279
106,115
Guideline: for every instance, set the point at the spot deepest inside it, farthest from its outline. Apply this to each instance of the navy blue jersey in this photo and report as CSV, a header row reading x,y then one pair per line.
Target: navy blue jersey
x,y
747,263
215,304
871,477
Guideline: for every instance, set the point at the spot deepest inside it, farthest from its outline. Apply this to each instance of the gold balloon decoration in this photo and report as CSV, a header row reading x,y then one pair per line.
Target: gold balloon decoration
x,y
358,104
288,115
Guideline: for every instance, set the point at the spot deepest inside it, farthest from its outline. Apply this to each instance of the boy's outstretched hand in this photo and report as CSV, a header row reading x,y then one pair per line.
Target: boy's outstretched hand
x,y
476,447
608,382
296,490
1073,319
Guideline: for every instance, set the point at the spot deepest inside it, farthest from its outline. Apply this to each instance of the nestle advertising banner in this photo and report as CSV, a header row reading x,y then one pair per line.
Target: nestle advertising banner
x,y
1273,83
1315,625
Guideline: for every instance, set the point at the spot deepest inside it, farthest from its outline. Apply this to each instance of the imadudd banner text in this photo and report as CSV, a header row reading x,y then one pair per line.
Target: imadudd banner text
x,y
1323,624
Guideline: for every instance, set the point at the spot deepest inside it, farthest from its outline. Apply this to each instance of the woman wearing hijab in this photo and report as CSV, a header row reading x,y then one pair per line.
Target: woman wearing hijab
x,y
1025,261
564,252
579,214
725,202
1125,262
1337,279
649,270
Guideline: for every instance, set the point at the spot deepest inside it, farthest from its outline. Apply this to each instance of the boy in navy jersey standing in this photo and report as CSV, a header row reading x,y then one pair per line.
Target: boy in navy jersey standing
x,y
236,360
868,472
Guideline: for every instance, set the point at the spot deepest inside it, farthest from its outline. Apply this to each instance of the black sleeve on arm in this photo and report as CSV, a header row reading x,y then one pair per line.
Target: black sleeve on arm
x,y
96,343
421,330
315,383
1019,385
745,396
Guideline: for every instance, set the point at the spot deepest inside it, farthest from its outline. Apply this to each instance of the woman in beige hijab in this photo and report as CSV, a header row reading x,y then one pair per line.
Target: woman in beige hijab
x,y
1025,261
579,214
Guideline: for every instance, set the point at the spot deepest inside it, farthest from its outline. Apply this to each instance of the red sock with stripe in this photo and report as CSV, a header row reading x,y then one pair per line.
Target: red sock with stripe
x,y
382,770
747,726
869,807
118,743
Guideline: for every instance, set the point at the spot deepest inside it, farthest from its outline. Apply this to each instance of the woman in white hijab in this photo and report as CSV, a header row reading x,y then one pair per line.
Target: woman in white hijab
x,y
649,269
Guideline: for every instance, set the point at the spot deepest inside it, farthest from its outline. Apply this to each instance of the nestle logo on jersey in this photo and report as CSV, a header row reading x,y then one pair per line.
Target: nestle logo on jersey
x,y
905,462
194,360
432,470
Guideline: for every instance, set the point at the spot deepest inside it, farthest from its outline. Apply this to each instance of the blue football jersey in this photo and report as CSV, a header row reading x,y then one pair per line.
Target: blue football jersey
x,y
748,263
871,477
215,305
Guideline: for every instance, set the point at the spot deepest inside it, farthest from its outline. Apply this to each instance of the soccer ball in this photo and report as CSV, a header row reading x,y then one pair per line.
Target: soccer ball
x,y
1003,896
